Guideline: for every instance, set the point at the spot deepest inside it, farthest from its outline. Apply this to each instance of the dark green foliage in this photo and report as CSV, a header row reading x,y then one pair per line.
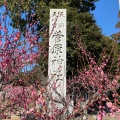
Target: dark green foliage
x,y
82,34
20,8
118,24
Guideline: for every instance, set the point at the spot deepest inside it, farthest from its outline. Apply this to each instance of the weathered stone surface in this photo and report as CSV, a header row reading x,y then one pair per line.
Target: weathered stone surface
x,y
14,117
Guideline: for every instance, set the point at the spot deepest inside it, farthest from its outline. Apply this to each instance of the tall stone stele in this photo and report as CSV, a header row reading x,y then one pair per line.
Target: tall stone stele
x,y
57,54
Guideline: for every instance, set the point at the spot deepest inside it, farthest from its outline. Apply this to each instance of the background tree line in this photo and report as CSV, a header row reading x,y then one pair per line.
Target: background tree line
x,y
82,30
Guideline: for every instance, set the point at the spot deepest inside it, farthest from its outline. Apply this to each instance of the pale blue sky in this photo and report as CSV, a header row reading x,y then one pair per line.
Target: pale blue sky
x,y
106,15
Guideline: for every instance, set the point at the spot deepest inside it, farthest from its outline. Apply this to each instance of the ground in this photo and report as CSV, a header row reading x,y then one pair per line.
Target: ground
x,y
106,118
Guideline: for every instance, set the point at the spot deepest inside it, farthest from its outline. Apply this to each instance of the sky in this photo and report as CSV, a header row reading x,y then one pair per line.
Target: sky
x,y
106,16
